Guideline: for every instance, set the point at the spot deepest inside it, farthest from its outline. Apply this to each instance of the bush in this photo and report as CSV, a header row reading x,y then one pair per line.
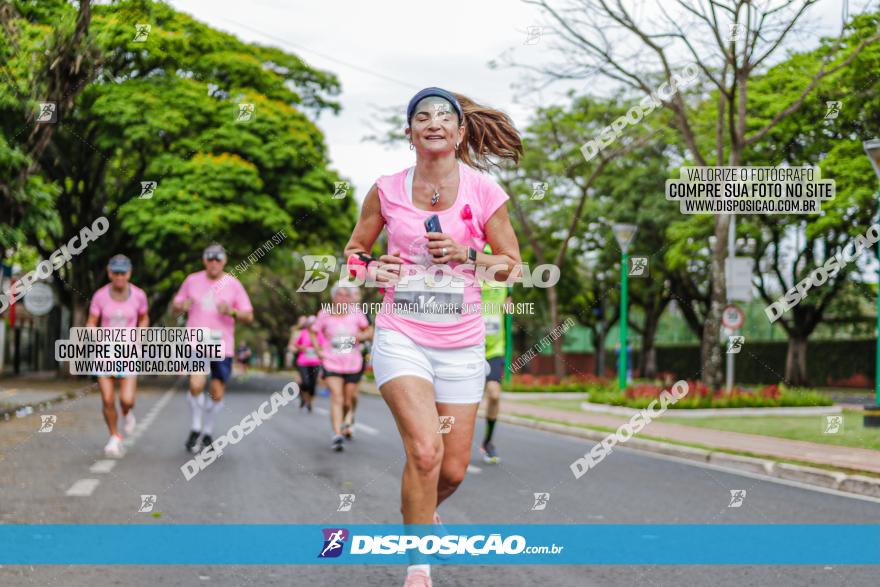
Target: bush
x,y
555,384
699,396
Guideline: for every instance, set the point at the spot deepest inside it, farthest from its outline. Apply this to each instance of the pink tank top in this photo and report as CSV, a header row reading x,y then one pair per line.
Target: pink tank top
x,y
424,311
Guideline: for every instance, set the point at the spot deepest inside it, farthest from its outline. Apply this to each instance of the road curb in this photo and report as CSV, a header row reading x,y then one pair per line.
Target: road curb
x,y
20,411
813,476
838,480
861,484
709,412
750,464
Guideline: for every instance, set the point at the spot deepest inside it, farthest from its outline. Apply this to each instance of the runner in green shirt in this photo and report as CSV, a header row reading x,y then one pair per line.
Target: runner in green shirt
x,y
494,297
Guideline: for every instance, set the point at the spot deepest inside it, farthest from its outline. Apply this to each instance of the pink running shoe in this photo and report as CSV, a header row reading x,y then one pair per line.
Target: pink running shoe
x,y
417,579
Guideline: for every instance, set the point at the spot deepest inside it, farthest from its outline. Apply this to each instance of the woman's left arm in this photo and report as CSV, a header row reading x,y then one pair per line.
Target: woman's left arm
x,y
500,235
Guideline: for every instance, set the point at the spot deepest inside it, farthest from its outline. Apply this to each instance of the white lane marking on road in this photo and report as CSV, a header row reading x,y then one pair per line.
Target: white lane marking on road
x,y
83,487
368,429
103,466
473,469
142,425
357,425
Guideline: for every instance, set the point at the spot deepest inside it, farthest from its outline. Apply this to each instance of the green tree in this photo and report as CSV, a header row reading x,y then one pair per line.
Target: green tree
x,y
167,109
596,40
45,57
789,248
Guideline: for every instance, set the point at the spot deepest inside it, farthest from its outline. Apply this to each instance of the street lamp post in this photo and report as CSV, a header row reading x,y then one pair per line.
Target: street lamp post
x,y
872,413
624,233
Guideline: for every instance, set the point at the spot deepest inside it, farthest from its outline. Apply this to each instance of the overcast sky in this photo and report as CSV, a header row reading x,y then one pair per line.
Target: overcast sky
x,y
385,51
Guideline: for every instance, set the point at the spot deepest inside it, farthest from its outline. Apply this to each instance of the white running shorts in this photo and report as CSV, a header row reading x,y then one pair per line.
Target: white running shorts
x,y
458,375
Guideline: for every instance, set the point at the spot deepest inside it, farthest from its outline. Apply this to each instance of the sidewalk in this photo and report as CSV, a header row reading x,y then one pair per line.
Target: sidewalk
x,y
23,394
767,446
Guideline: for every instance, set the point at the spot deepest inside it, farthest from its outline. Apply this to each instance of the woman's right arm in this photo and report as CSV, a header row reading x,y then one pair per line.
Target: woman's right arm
x,y
365,233
368,226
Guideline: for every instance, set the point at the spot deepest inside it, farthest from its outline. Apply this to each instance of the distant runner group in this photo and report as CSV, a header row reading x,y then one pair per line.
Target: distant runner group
x,y
330,347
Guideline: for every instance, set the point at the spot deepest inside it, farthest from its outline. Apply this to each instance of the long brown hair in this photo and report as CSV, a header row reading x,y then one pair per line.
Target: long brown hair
x,y
488,133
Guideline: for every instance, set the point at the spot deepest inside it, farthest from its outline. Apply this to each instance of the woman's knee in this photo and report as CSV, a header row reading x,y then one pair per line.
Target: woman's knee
x,y
425,455
452,473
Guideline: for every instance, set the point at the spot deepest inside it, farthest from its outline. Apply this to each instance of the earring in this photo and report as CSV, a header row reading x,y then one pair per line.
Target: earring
x,y
457,145
411,146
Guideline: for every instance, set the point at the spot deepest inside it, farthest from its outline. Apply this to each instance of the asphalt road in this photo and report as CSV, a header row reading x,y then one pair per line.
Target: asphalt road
x,y
285,473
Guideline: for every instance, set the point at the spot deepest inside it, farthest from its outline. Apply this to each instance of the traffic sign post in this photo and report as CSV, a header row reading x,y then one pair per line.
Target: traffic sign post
x,y
732,318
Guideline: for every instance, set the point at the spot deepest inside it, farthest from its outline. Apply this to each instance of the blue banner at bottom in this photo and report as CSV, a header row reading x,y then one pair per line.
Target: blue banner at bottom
x,y
483,544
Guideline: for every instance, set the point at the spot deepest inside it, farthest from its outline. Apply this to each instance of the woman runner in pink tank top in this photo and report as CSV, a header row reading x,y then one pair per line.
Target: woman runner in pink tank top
x,y
428,349
119,304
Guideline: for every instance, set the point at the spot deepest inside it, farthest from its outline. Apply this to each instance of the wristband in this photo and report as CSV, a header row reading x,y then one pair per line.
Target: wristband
x,y
356,260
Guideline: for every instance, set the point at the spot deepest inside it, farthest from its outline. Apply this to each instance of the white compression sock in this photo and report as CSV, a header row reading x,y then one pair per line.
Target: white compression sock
x,y
212,408
195,407
426,568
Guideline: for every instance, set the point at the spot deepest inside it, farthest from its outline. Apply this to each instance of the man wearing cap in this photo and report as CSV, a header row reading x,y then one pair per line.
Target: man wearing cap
x,y
215,300
119,304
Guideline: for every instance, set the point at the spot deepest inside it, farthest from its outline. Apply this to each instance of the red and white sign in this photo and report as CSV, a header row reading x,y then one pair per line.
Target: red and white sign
x,y
732,317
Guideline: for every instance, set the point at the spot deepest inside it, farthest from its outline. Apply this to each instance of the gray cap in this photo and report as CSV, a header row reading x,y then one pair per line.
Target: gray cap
x,y
119,264
214,249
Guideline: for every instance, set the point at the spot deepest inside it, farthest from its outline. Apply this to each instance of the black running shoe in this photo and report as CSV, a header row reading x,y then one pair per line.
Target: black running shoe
x,y
192,440
206,442
338,443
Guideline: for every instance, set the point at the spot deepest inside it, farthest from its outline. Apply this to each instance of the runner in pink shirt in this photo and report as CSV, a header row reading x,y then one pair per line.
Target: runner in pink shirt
x,y
118,304
216,300
307,344
429,358
343,330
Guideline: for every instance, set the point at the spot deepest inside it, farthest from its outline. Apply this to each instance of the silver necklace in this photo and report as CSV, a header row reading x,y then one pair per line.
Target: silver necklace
x,y
435,199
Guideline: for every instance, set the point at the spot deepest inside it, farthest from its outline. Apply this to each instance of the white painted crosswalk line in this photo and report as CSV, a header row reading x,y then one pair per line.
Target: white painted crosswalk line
x,y
103,466
83,487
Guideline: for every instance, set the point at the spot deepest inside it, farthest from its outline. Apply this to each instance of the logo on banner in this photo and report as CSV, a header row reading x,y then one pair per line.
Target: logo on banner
x,y
334,540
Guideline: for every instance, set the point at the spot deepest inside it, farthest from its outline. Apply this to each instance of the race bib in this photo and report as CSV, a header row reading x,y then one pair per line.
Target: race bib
x,y
311,353
419,297
343,344
118,319
493,324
